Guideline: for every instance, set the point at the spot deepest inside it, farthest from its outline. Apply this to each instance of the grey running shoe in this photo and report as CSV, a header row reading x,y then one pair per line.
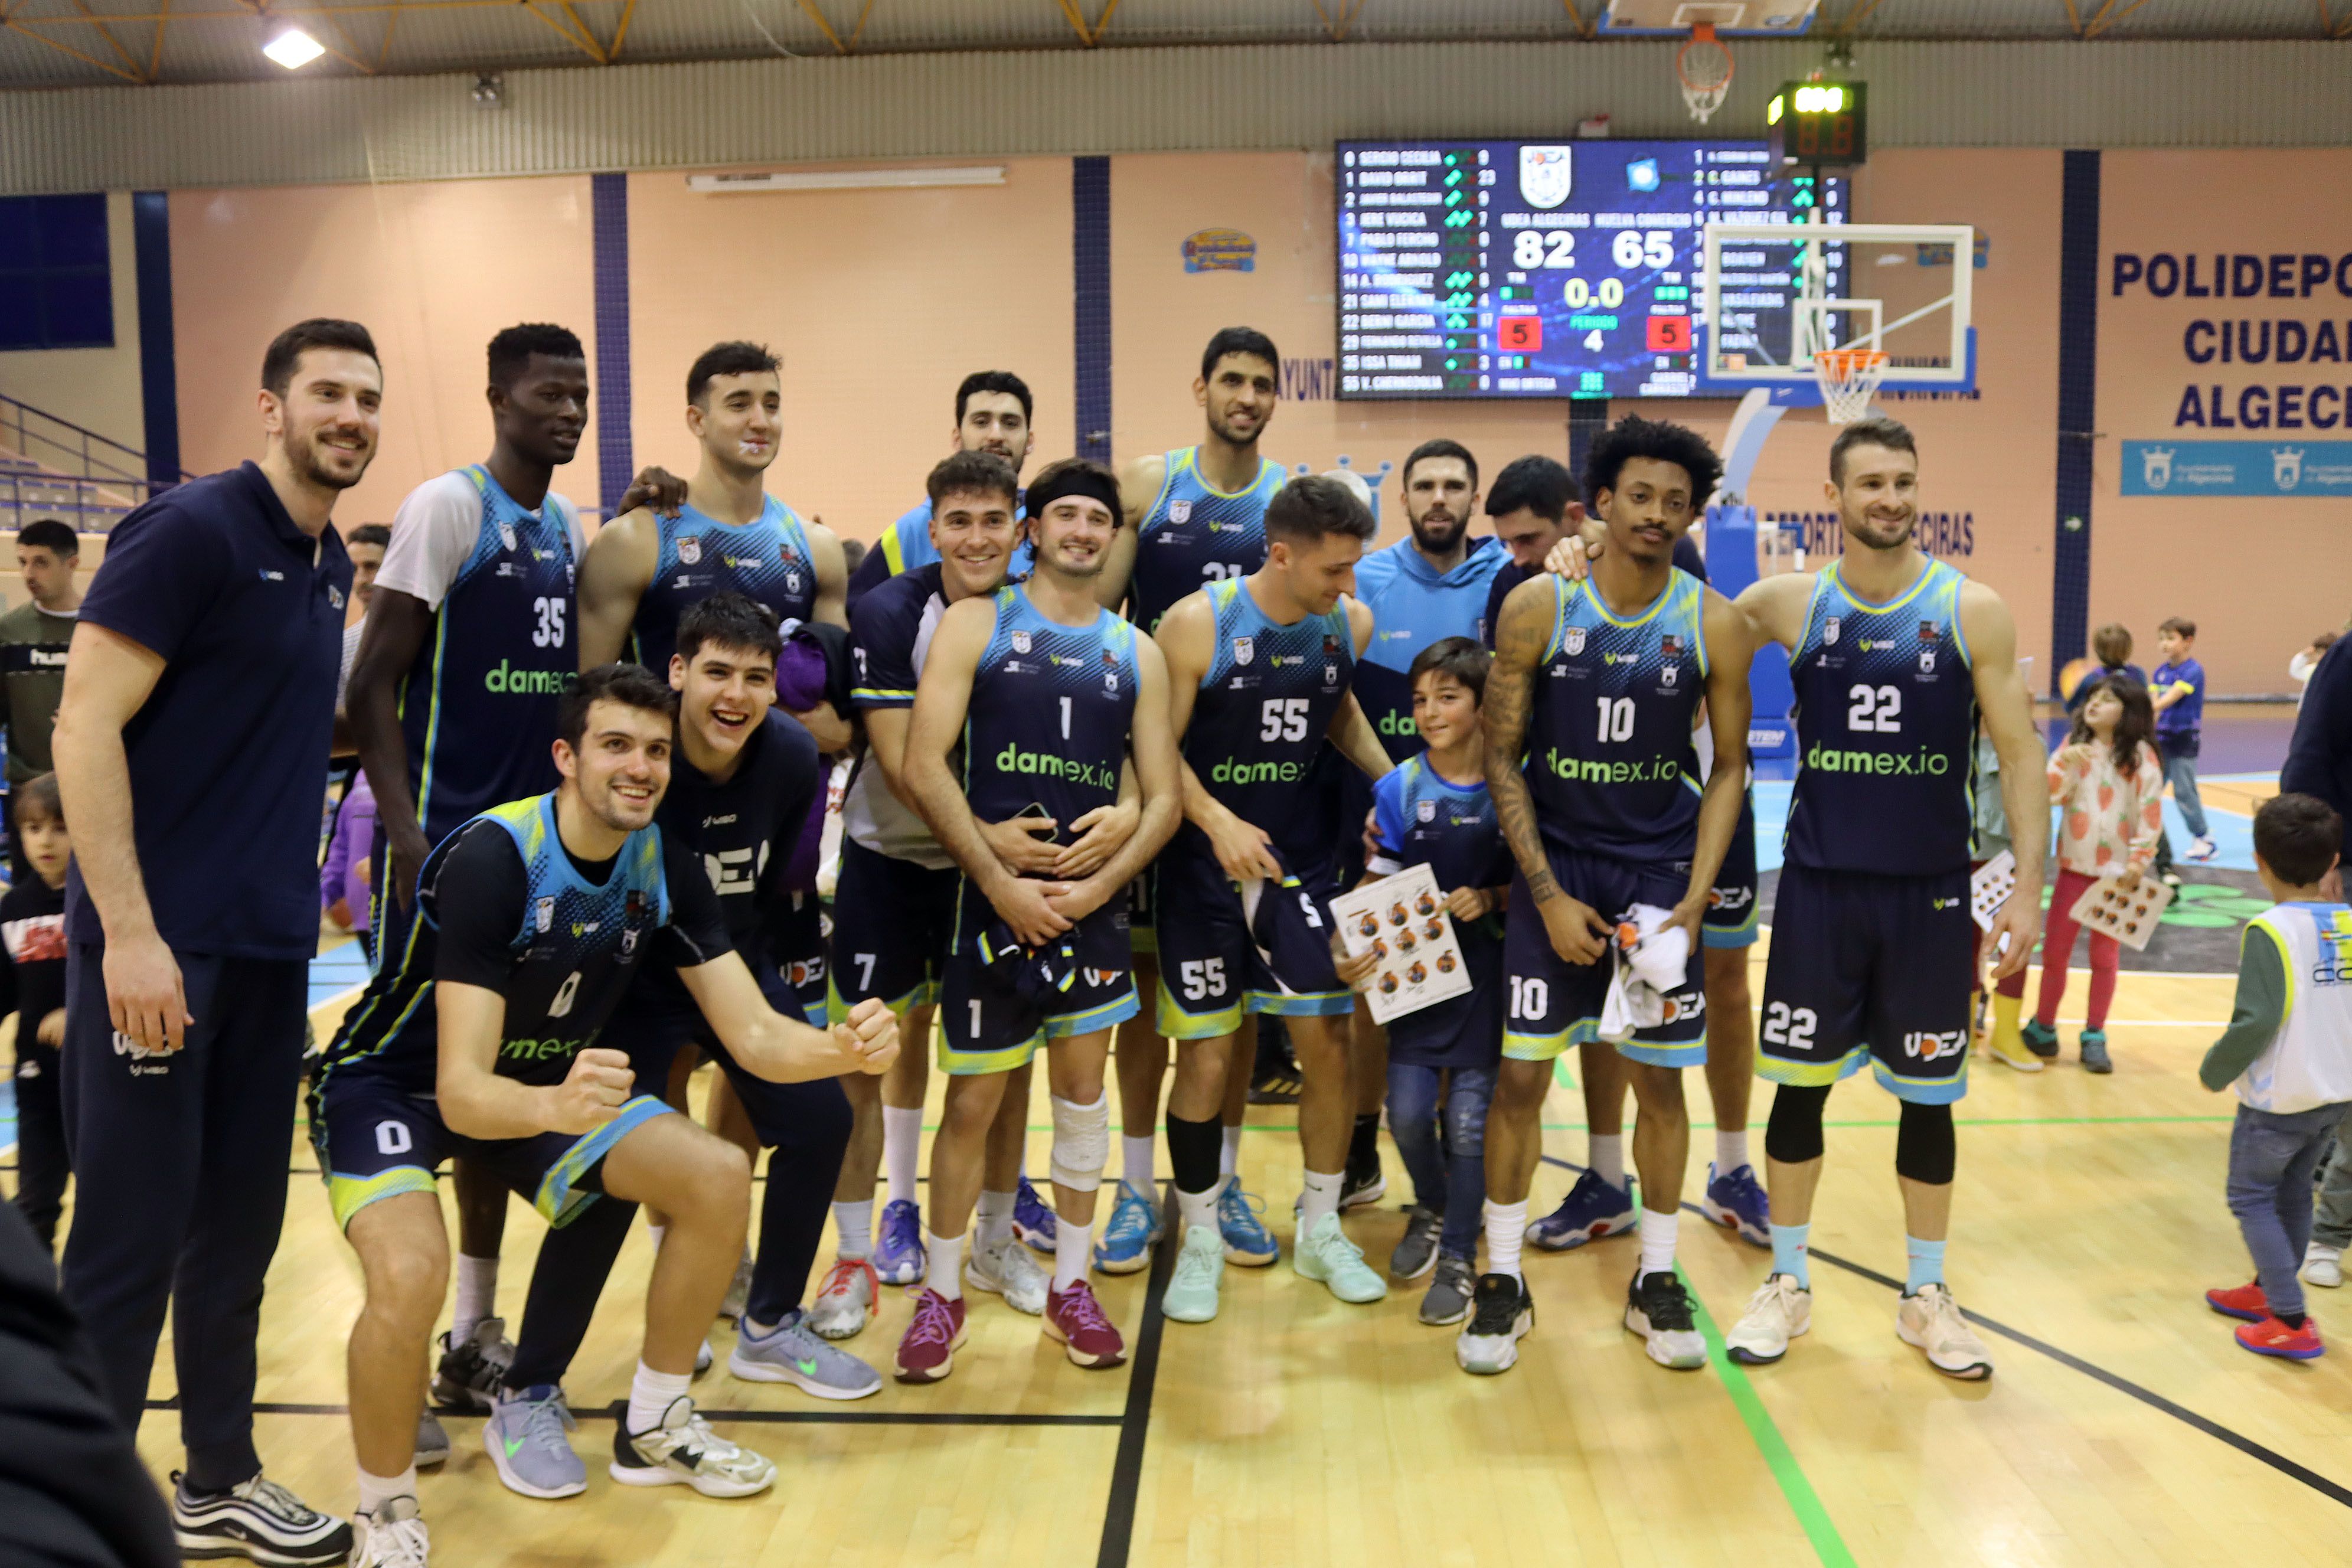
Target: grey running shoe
x,y
792,1353
1416,1254
1008,1269
1448,1298
684,1451
469,1375
527,1446
432,1441
739,1294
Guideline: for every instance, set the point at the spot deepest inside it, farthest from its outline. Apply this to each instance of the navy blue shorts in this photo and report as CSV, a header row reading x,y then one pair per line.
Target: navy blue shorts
x,y
1870,967
1731,903
1140,895
1219,960
1555,1004
893,922
800,951
994,1015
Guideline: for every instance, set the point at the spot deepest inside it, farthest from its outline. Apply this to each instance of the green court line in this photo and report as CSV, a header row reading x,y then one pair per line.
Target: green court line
x,y
1803,1502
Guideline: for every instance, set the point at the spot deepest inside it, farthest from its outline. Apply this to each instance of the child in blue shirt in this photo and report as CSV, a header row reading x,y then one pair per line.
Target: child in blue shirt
x,y
1433,810
2178,688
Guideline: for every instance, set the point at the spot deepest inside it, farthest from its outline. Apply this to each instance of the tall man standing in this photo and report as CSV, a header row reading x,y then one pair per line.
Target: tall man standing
x,y
33,637
192,748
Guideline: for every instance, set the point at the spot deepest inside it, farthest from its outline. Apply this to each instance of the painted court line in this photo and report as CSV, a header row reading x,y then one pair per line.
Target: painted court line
x,y
770,1417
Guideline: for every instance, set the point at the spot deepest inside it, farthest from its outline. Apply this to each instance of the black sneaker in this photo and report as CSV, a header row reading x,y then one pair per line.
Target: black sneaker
x,y
1501,1313
1363,1184
1658,1309
470,1375
1447,1299
260,1521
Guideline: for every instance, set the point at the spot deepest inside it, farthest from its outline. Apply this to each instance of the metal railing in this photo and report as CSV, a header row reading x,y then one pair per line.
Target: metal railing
x,y
51,466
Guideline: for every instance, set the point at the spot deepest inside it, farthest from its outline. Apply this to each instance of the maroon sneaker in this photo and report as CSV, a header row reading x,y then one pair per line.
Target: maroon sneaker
x,y
2246,1301
927,1351
1076,1318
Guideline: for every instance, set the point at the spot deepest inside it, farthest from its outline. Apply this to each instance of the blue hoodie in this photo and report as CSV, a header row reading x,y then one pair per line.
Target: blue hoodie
x,y
1413,605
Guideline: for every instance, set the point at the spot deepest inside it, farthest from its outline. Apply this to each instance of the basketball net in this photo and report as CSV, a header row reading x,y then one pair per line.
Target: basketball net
x,y
1849,378
1703,67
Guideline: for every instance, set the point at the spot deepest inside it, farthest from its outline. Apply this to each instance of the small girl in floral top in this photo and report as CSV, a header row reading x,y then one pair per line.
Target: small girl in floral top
x,y
2110,785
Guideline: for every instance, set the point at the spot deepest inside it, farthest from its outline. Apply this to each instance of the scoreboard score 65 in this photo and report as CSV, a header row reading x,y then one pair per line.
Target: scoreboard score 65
x,y
1505,269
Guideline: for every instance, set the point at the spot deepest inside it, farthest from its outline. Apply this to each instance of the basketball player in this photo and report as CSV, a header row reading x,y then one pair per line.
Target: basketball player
x,y
1196,515
532,921
1588,713
1259,670
452,704
1041,687
992,411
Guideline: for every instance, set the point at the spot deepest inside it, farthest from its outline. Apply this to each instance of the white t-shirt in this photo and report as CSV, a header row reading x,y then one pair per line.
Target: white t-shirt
x,y
350,657
437,527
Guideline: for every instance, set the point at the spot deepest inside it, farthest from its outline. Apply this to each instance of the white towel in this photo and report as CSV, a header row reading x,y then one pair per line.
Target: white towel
x,y
1648,959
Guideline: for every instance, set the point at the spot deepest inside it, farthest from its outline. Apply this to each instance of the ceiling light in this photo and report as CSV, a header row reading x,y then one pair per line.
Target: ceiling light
x,y
293,48
850,179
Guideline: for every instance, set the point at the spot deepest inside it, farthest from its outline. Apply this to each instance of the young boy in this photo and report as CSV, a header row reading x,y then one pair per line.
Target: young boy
x,y
2111,644
2288,1053
2179,690
1433,810
33,986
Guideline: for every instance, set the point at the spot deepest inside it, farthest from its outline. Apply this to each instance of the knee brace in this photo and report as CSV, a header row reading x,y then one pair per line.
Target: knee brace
x,y
1793,1135
1926,1148
1081,1142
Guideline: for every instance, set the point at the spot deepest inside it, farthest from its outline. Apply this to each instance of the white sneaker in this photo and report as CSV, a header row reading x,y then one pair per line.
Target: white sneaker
x,y
1009,1269
684,1451
391,1537
1779,1311
1658,1309
1502,1313
1931,1320
2200,851
2323,1265
847,1298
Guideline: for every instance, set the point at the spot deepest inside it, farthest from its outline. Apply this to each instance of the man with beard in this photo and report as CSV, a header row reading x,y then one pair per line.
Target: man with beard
x,y
452,705
201,689
992,413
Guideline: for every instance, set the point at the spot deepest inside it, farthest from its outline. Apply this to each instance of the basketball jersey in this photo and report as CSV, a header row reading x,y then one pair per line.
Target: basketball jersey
x,y
1886,726
890,636
1259,721
575,946
698,555
1047,724
1610,763
477,706
2310,1063
1194,534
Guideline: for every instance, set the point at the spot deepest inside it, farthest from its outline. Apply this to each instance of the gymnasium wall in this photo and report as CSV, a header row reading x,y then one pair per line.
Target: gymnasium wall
x,y
97,389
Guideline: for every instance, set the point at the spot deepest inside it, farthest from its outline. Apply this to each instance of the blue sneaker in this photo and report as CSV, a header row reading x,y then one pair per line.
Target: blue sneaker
x,y
1247,1241
1129,1236
525,1438
1591,1210
898,1250
1737,1202
1032,1222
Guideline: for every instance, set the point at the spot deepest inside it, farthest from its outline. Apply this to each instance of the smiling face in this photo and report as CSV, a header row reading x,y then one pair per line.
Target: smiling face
x,y
1439,499
724,694
1238,395
1444,709
330,417
973,531
1878,495
739,420
1316,572
622,767
1649,508
1074,535
992,421
540,413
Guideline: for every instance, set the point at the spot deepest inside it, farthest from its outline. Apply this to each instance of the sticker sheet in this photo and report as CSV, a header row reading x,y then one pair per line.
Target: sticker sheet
x,y
1402,919
2130,918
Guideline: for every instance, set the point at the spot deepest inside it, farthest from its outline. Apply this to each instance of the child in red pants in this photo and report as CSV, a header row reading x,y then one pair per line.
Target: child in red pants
x,y
2109,785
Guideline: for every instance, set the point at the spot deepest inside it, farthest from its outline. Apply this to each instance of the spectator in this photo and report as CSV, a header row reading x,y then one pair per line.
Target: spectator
x,y
366,545
2112,646
33,641
2305,660
343,890
33,986
2178,691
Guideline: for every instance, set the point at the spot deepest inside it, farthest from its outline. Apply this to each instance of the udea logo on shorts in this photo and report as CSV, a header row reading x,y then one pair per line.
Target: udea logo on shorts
x,y
143,1058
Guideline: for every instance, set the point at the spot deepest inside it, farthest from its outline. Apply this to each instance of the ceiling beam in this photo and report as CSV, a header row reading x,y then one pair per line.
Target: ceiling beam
x,y
597,53
620,31
2074,18
113,43
12,25
1583,24
1339,18
1090,33
1855,18
155,56
2332,26
383,46
2110,13
586,45
840,46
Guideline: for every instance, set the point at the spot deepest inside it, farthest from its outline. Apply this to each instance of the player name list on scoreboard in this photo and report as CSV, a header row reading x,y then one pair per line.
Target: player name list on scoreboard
x,y
1535,270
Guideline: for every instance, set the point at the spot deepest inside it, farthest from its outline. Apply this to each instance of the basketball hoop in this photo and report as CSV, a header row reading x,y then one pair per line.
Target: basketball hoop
x,y
1849,378
1704,67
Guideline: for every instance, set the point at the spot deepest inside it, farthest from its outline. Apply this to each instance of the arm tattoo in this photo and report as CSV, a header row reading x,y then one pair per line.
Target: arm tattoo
x,y
1520,641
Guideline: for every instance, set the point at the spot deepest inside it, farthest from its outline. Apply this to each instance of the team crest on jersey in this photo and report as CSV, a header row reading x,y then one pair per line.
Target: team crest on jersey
x,y
1426,810
1927,662
1670,647
1179,511
792,582
1667,675
507,535
1930,631
1830,630
628,940
1110,680
334,596
1331,645
689,550
1331,675
542,915
1572,641
1020,642
1244,649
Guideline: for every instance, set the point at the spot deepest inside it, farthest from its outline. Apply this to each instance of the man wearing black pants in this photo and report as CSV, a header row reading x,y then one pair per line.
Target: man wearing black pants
x,y
192,749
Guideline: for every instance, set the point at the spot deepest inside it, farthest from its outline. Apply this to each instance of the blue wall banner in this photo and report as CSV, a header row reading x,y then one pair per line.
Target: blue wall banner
x,y
2238,468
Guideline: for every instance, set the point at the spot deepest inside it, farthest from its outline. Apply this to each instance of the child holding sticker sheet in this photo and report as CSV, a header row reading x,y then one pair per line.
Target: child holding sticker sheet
x,y
1434,809
2107,780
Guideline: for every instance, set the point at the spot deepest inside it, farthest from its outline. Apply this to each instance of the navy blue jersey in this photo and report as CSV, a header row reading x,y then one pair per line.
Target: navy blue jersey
x,y
743,831
1422,819
477,706
1609,756
1194,534
1046,729
769,559
1260,718
1886,725
890,635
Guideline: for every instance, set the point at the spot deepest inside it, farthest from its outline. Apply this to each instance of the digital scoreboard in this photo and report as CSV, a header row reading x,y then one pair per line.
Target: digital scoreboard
x,y
1496,269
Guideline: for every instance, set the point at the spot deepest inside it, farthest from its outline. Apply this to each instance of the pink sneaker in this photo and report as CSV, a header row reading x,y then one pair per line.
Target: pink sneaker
x,y
927,1351
1076,1318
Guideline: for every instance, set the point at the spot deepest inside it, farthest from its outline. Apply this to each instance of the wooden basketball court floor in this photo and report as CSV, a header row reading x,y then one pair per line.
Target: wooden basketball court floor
x,y
2122,1424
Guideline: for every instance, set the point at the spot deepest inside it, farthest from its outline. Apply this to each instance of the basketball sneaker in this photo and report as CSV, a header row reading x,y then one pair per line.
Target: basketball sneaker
x,y
1032,1222
1501,1314
1447,1299
1361,1184
1416,1254
684,1451
2323,1265
1088,1337
2095,1052
1930,1318
2200,851
260,1520
1326,1256
432,1441
390,1537
525,1438
848,1297
739,1292
1192,1296
1008,1270
899,1249
1131,1233
2272,1337
1737,1202
1779,1311
2245,1302
927,1349
1591,1210
1658,1308
469,1375
792,1353
1246,1239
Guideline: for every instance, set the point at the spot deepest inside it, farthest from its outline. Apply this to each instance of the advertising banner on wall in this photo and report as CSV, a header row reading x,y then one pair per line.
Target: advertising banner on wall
x,y
2267,469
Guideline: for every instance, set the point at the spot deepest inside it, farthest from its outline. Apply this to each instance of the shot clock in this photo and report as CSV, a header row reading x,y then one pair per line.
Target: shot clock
x,y
1819,125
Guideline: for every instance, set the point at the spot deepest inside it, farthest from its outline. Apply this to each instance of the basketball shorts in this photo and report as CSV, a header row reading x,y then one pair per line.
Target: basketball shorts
x,y
1225,951
799,945
1731,903
375,1139
1555,1004
655,1020
1140,895
893,922
998,1003
1869,966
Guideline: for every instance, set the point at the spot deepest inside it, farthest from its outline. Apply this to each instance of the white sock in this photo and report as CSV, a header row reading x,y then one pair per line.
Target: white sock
x,y
943,1266
1658,1241
1507,1228
1073,1250
1229,1161
995,1220
1319,1196
1730,1151
1608,1157
377,1491
1199,1208
854,1228
1136,1162
651,1394
654,1233
477,1296
902,1143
